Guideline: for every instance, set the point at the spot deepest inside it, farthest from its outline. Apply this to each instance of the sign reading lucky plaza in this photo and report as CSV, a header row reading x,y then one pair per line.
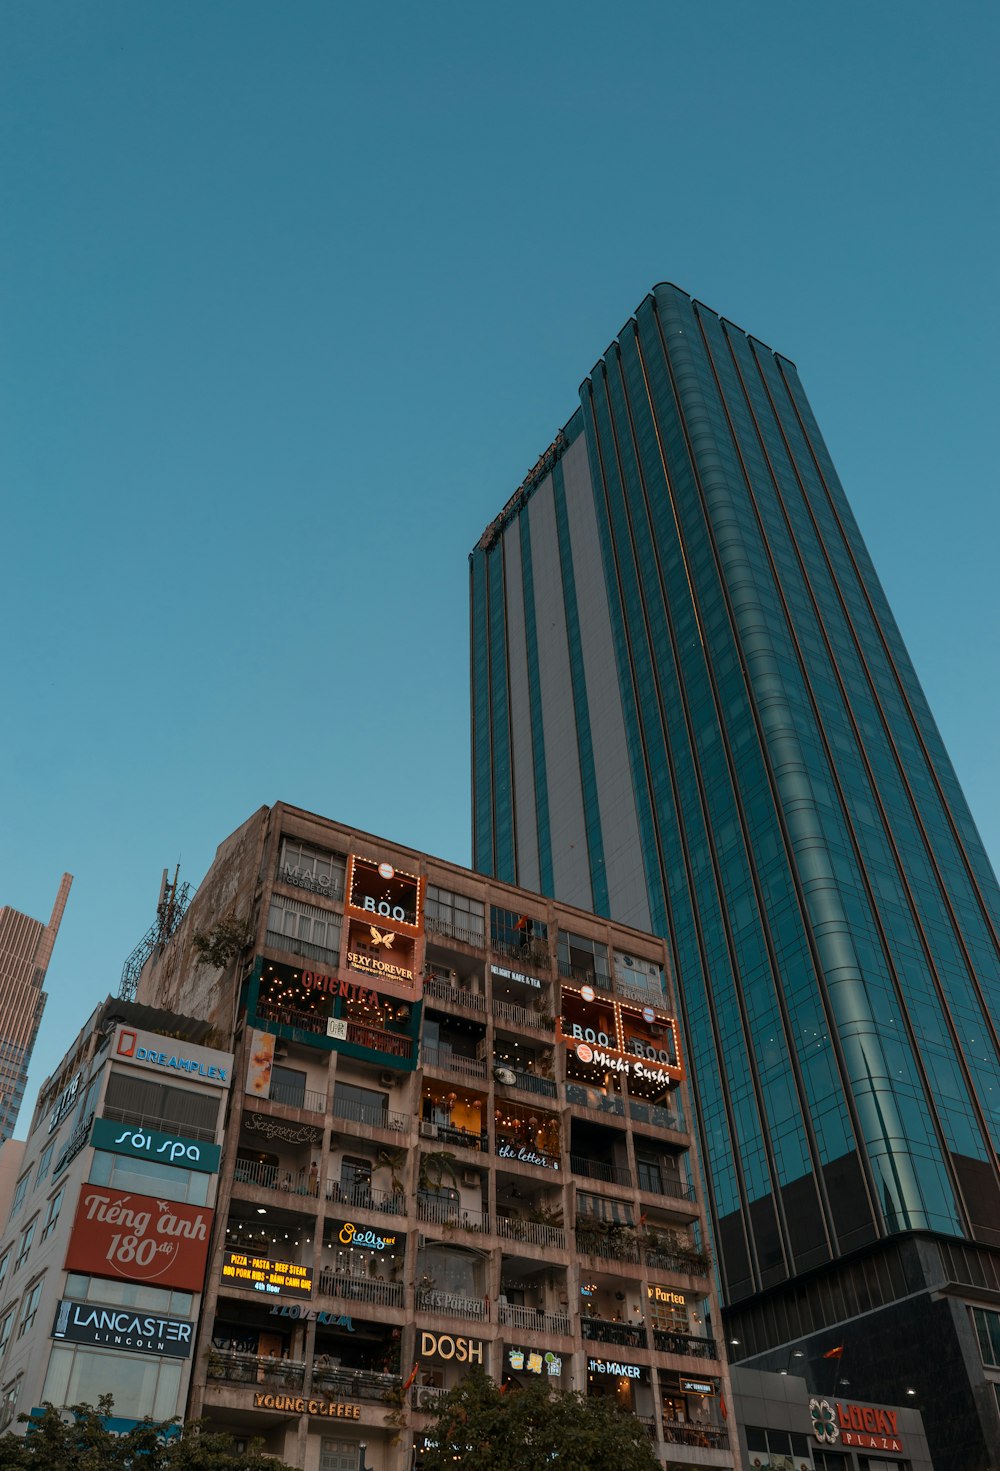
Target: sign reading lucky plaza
x,y
139,1239
170,1058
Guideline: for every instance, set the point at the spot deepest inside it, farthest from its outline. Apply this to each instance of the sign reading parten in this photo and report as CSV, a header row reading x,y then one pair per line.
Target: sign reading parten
x,y
140,1333
165,1149
139,1239
170,1058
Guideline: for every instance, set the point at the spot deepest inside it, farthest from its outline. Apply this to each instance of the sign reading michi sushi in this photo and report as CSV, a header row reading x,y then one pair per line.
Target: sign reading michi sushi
x,y
139,1239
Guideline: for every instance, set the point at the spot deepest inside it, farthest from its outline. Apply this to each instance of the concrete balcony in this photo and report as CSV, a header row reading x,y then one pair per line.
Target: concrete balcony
x,y
451,1304
534,1233
442,1059
361,1289
605,1330
533,1320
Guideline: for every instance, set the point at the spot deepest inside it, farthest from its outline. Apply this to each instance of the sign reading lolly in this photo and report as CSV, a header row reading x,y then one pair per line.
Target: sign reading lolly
x,y
139,1239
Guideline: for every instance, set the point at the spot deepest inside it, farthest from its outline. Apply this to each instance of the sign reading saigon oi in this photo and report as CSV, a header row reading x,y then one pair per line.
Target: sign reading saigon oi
x,y
168,1057
139,1239
141,1333
165,1149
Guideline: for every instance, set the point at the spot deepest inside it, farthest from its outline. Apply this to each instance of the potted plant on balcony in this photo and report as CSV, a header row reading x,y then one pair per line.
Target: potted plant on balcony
x,y
393,1160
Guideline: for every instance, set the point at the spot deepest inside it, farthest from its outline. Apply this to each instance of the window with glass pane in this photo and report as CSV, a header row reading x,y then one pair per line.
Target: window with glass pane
x,y
293,924
988,1333
455,914
339,1455
141,1100
312,868
45,1163
583,959
148,1177
637,977
24,1245
84,1376
52,1216
517,933
30,1308
8,1404
20,1192
4,1263
6,1323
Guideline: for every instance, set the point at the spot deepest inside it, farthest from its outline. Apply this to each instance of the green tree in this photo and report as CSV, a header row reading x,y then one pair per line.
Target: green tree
x,y
84,1443
477,1427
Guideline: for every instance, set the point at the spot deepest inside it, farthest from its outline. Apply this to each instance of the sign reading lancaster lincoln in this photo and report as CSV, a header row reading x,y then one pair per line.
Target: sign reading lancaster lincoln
x,y
171,1058
144,1333
139,1239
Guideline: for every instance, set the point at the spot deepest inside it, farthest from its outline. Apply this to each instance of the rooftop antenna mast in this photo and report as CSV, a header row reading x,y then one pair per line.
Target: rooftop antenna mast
x,y
174,899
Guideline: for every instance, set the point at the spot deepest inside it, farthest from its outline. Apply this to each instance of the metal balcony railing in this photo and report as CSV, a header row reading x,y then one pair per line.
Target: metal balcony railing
x,y
657,1115
520,1016
361,1289
451,1214
240,1368
532,1083
291,1016
590,1098
693,1264
365,1198
663,1184
599,1169
537,1320
606,1330
669,1342
452,1304
443,990
451,1062
607,1247
377,1040
533,1232
584,975
274,1177
452,931
292,945
364,1384
153,1121
293,1097
710,1437
369,1115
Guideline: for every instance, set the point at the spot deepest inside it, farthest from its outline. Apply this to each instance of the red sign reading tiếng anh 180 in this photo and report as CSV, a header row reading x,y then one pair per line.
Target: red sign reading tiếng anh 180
x,y
139,1239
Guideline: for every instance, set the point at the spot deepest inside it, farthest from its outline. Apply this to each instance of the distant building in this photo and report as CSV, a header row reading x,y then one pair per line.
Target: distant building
x,y
459,1135
694,711
25,951
103,1251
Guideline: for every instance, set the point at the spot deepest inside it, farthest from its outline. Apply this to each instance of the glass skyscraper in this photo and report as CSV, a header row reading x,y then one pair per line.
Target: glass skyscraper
x,y
693,711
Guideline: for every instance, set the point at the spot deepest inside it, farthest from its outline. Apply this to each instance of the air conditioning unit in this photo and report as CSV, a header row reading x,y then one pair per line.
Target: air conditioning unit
x,y
387,1078
427,1130
657,1031
425,1399
421,1240
469,1177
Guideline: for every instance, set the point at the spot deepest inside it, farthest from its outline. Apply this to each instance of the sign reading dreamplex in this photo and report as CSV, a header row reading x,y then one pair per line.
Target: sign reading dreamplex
x,y
139,1239
170,1058
140,1333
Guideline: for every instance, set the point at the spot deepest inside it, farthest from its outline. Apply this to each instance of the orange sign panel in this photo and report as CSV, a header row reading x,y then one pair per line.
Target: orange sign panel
x,y
139,1239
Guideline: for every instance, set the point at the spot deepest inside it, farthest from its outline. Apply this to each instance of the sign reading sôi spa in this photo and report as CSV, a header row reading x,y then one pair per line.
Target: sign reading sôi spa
x,y
137,1238
164,1149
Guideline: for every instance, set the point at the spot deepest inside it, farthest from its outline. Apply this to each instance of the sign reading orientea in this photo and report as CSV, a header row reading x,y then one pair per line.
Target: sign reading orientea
x,y
141,1333
167,1056
139,1239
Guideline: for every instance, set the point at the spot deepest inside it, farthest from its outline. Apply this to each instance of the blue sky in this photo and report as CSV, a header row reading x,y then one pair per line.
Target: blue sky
x,y
291,297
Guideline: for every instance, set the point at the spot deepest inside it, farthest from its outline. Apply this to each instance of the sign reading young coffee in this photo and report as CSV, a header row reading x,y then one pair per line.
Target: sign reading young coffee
x,y
259,1273
295,1405
165,1149
141,1333
139,1239
166,1057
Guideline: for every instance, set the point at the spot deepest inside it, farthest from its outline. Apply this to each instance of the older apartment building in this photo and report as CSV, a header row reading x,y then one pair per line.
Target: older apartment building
x,y
459,1134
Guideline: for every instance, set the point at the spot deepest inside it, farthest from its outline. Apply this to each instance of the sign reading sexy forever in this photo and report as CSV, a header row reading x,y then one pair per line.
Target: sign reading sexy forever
x,y
139,1239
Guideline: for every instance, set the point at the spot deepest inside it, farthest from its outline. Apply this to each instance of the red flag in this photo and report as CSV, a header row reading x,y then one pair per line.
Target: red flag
x,y
722,1407
413,1376
835,1353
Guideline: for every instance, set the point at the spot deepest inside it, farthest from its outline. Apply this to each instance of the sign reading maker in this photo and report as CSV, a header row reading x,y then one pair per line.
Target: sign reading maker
x,y
140,1333
165,1055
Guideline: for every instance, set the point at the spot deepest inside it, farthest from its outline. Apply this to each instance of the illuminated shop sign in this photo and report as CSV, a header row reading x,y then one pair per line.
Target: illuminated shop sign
x,y
165,1149
444,1346
527,1156
139,1239
515,975
387,896
260,1274
141,1333
666,1294
698,1386
269,1127
314,980
618,1038
352,1235
370,964
165,1055
611,1366
865,1426
313,1315
296,1405
534,1361
64,1102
